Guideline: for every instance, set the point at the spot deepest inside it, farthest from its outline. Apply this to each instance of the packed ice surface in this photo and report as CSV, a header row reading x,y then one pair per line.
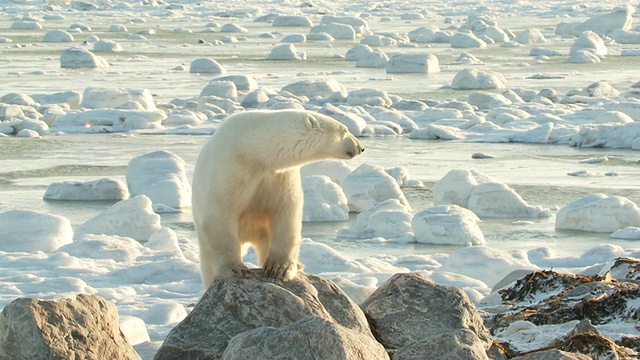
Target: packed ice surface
x,y
547,90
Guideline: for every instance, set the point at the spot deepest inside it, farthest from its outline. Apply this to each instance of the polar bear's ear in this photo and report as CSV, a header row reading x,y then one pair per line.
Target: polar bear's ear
x,y
312,122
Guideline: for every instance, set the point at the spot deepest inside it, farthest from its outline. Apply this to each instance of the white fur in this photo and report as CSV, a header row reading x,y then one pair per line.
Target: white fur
x,y
246,188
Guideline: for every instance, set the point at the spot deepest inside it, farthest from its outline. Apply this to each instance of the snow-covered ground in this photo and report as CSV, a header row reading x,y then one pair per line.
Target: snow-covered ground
x,y
512,127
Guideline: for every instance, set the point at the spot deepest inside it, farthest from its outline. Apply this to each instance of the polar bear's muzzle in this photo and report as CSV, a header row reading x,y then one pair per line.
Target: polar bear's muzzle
x,y
356,150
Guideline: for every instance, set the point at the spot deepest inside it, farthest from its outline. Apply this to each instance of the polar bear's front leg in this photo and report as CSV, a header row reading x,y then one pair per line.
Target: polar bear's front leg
x,y
286,224
220,253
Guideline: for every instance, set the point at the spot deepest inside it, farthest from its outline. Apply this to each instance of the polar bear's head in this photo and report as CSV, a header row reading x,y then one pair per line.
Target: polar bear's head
x,y
330,138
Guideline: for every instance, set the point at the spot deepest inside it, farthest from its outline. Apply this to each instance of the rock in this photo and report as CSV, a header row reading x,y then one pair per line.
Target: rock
x,y
547,297
458,345
309,338
234,312
553,354
82,328
410,308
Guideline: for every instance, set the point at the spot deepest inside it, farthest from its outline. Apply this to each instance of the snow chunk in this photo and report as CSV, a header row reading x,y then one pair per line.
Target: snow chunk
x,y
628,233
134,330
530,36
315,88
164,239
324,200
108,120
132,218
457,185
497,200
598,213
107,46
482,195
165,313
78,58
286,52
358,52
448,225
206,66
336,30
373,97
473,79
368,185
161,176
467,40
221,89
589,41
389,219
100,98
102,189
242,82
413,63
486,264
57,36
619,18
116,248
375,59
584,56
23,230
292,20
336,170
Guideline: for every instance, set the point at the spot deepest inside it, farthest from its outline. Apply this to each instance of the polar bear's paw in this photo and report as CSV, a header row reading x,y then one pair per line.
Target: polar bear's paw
x,y
234,272
284,271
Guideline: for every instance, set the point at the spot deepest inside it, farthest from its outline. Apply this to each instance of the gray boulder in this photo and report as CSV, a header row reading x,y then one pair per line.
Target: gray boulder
x,y
410,310
82,328
458,345
309,338
233,307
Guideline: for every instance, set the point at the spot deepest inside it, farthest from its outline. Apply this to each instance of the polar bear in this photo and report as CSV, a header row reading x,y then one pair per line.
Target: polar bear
x,y
247,189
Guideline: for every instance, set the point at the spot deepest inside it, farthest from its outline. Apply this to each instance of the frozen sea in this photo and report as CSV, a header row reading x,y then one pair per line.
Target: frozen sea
x,y
159,288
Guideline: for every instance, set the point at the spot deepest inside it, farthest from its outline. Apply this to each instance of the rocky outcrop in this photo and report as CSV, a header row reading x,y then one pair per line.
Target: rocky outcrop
x,y
82,328
547,298
240,317
420,319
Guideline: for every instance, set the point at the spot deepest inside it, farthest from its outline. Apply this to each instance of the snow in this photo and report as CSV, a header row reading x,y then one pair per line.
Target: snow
x,y
133,218
447,224
79,58
539,92
24,230
598,213
161,176
101,189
